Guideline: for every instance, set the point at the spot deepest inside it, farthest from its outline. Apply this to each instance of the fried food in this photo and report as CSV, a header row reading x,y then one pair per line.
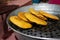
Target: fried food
x,y
49,15
21,15
33,11
20,23
33,18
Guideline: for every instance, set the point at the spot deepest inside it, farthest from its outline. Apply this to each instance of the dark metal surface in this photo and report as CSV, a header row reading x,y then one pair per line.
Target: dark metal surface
x,y
49,32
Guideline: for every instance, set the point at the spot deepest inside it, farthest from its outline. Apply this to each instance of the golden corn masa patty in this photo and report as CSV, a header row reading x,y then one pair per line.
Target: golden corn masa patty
x,y
33,11
49,15
20,23
32,18
21,15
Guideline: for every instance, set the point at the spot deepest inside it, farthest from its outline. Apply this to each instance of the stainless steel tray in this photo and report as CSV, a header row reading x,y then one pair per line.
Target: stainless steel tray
x,y
51,8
